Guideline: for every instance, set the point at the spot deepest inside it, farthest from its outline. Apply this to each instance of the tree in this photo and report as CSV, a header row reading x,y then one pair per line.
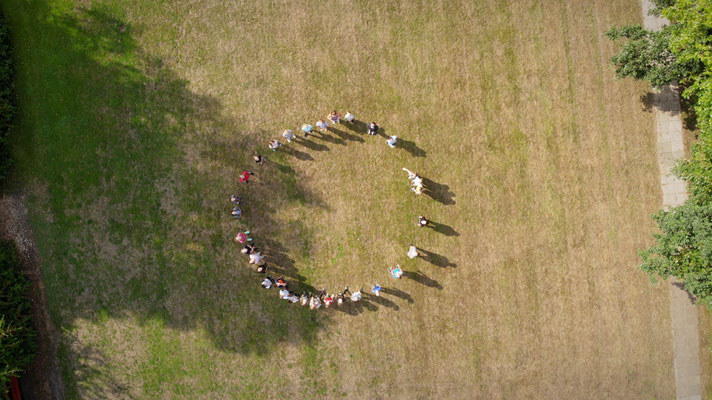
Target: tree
x,y
645,55
684,248
17,335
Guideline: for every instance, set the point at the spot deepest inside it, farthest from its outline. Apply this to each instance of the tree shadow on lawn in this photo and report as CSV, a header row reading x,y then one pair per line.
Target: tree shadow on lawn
x,y
138,171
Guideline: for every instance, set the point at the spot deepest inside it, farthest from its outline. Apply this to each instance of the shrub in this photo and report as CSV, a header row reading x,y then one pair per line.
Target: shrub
x,y
7,106
17,334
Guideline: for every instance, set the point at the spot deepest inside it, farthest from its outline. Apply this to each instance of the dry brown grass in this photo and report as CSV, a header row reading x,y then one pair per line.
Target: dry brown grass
x,y
551,162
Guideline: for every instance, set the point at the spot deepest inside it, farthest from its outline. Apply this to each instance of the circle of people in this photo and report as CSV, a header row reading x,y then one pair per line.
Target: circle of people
x,y
325,299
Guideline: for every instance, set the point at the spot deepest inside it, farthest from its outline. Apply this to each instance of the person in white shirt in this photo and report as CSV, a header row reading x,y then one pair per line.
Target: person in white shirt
x,y
356,296
267,283
412,252
256,257
391,141
288,134
411,175
349,117
321,124
283,294
274,144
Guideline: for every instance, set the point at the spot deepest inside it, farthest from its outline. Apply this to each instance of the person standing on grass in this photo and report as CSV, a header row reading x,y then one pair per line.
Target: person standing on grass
x,y
241,237
236,199
267,283
288,134
349,117
261,269
321,124
376,290
245,176
283,293
396,272
314,303
256,258
356,296
274,144
412,252
422,221
259,159
328,300
248,249
306,128
418,189
281,283
293,298
391,141
304,299
372,129
334,117
411,175
236,212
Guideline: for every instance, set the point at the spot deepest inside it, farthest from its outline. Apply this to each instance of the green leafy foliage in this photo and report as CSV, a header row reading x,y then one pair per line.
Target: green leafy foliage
x,y
17,335
645,55
682,51
7,107
684,248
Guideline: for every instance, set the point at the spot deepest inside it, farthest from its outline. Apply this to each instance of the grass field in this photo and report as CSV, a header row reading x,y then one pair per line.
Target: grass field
x,y
137,117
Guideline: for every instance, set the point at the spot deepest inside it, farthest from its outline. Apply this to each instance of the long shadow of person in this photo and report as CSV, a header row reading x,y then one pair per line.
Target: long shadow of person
x,y
438,191
300,155
327,138
383,301
358,126
442,228
398,293
435,259
345,135
410,147
310,145
423,279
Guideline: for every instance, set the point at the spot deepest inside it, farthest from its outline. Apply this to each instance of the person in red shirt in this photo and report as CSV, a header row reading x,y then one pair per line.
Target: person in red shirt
x,y
245,176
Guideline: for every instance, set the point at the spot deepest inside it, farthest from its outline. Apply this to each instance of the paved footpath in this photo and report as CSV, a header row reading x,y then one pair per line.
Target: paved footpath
x,y
683,312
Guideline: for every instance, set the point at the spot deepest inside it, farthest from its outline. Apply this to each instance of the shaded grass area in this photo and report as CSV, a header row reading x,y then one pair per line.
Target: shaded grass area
x,y
138,116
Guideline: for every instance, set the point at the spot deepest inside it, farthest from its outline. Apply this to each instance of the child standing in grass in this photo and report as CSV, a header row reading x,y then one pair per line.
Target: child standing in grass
x,y
321,124
349,117
396,272
259,159
334,117
376,290
288,134
412,252
306,128
391,141
372,129
236,212
422,222
245,176
274,144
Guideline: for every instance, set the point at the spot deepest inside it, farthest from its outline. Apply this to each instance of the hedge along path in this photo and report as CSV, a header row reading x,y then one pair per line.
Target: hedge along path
x,y
671,148
42,378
